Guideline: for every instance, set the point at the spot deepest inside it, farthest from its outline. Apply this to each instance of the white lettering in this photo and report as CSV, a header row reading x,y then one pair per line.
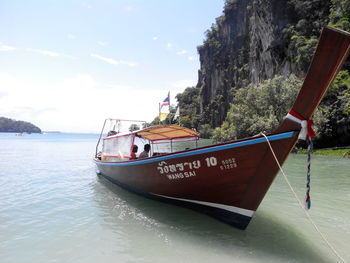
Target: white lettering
x,y
211,161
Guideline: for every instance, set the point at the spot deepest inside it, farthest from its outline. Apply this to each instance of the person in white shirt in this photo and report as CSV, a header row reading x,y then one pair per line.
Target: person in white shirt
x,y
144,154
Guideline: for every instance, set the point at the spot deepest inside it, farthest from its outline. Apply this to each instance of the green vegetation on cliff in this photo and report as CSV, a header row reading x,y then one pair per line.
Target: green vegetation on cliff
x,y
258,108
189,105
258,51
10,125
333,116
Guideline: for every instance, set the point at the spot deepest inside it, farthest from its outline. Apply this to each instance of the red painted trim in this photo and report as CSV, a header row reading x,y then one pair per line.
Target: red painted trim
x,y
112,155
117,136
165,139
175,138
132,143
168,141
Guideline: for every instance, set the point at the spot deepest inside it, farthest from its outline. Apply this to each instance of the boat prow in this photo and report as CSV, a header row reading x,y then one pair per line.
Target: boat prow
x,y
227,181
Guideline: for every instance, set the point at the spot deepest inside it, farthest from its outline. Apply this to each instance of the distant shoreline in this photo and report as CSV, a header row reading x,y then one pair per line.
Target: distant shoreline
x,y
20,132
11,125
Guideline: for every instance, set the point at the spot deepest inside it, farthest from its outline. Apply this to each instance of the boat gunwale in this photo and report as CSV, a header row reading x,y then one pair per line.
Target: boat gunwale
x,y
203,150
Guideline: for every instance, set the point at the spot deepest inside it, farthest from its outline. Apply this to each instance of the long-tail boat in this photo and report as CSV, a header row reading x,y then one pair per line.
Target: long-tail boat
x,y
227,181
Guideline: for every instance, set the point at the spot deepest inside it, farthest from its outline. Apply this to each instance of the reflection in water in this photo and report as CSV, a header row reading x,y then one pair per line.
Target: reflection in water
x,y
124,212
53,208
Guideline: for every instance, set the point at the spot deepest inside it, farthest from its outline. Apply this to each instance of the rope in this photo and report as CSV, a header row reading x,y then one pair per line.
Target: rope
x,y
309,151
300,204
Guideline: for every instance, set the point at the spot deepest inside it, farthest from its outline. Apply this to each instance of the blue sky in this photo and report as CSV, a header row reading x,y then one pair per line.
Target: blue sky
x,y
68,65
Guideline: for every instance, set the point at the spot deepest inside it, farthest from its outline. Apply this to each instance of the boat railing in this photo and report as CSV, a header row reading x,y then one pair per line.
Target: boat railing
x,y
117,123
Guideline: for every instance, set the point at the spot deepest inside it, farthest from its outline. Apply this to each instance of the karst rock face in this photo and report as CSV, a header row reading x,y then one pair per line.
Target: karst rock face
x,y
249,43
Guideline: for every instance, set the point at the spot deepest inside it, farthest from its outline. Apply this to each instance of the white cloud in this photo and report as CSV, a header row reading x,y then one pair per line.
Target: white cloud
x,y
87,5
114,62
179,86
71,36
128,63
48,53
169,46
191,58
102,43
117,87
182,84
45,52
182,52
105,59
75,104
4,47
129,8
3,94
155,38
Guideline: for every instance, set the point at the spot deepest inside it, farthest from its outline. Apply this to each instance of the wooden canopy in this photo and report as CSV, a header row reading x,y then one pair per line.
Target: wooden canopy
x,y
167,132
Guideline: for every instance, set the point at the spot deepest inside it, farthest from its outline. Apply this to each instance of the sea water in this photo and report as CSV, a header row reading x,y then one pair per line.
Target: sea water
x,y
54,208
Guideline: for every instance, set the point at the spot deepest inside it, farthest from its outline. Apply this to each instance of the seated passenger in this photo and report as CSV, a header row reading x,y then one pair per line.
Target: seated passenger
x,y
144,154
133,152
110,133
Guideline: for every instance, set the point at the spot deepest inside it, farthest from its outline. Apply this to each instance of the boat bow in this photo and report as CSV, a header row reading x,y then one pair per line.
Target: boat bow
x,y
227,181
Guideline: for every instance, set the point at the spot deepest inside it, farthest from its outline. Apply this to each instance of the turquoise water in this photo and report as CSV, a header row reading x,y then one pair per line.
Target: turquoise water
x,y
53,208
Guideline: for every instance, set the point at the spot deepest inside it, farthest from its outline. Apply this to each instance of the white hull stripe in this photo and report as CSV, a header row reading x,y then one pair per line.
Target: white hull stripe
x,y
234,209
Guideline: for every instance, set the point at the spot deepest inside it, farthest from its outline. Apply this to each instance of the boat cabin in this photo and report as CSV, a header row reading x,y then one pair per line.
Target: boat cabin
x,y
163,139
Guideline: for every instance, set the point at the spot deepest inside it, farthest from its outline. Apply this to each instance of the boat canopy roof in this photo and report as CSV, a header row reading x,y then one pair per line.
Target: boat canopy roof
x,y
167,132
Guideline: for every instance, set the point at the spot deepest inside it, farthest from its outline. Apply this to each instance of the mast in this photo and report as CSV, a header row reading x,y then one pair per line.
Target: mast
x,y
169,108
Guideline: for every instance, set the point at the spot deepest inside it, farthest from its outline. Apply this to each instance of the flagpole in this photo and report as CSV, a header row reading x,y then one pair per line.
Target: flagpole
x,y
159,113
177,115
169,107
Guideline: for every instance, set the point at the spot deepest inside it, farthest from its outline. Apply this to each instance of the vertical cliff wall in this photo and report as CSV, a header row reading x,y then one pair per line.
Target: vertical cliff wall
x,y
252,41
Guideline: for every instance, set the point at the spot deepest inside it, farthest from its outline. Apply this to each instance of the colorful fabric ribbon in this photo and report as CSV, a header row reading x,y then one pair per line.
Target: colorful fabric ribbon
x,y
306,125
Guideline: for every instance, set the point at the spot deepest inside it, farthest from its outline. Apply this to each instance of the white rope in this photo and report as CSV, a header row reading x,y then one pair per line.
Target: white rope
x,y
300,204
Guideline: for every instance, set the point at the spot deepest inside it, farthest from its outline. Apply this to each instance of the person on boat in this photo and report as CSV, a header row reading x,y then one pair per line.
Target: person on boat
x,y
133,152
146,149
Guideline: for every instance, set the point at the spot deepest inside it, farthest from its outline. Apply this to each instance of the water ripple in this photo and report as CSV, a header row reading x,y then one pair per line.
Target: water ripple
x,y
53,208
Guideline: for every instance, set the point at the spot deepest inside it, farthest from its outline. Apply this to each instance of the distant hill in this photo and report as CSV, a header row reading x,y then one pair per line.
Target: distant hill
x,y
10,125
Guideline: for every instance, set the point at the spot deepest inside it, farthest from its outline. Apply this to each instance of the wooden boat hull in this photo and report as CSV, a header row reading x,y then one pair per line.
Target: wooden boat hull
x,y
225,181
228,181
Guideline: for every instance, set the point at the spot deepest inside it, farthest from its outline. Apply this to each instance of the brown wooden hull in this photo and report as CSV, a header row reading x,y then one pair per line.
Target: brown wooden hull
x,y
226,181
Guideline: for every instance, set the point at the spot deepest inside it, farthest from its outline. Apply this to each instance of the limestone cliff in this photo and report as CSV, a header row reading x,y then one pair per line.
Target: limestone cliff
x,y
252,41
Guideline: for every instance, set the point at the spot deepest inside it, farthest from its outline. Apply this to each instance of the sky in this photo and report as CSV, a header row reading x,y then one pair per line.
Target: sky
x,y
68,65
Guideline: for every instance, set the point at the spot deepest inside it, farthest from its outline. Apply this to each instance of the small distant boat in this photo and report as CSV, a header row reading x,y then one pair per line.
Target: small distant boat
x,y
22,133
227,181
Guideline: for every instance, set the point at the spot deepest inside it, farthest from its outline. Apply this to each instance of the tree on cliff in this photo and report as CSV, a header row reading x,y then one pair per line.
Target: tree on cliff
x,y
188,101
332,118
258,108
10,125
255,41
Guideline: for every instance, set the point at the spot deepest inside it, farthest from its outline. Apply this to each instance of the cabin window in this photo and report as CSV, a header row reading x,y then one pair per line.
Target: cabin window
x,y
117,147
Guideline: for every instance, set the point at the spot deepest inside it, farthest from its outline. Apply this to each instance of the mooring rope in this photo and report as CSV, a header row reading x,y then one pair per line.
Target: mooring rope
x,y
300,203
308,175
